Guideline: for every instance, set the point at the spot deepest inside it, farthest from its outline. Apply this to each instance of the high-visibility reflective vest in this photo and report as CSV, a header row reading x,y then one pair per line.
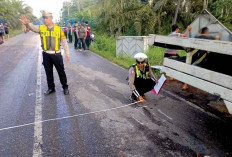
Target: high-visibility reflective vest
x,y
50,38
140,74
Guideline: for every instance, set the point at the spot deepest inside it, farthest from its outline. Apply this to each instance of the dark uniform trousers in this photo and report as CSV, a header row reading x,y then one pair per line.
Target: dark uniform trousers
x,y
88,41
144,85
70,37
57,60
76,40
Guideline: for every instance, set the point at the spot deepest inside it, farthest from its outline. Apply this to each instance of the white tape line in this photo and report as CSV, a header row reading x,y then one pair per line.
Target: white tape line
x,y
164,114
137,120
140,111
78,115
37,151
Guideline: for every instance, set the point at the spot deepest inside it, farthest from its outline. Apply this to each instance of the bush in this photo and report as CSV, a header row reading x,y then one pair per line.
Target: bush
x,y
14,32
155,55
105,46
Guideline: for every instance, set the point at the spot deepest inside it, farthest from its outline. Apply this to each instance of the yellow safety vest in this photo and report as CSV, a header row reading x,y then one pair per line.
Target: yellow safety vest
x,y
139,74
50,38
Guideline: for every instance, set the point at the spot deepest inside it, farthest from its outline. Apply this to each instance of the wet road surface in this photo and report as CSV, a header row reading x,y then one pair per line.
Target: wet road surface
x,y
97,118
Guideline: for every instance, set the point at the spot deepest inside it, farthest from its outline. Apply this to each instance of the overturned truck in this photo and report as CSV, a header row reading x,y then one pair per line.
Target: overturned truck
x,y
215,75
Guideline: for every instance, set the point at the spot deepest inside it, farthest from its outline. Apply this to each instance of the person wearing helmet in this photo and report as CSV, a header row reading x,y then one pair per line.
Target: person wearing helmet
x,y
141,78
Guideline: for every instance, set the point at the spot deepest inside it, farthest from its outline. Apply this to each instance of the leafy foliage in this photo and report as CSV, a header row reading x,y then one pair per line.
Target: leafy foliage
x,y
10,11
143,17
222,10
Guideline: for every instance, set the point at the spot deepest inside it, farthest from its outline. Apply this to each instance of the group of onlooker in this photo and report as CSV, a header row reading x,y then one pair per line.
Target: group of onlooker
x,y
4,30
81,32
201,56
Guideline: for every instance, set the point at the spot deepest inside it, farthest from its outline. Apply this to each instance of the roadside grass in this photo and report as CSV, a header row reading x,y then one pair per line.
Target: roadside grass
x,y
155,55
106,46
14,32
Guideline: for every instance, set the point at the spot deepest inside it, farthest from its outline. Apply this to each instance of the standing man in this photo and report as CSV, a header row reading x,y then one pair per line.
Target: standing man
x,y
2,32
64,28
173,53
88,39
75,30
201,57
7,30
176,33
82,34
141,78
70,33
204,34
51,37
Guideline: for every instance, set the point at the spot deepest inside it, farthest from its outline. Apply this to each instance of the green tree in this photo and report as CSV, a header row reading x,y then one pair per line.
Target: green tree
x,y
143,17
10,11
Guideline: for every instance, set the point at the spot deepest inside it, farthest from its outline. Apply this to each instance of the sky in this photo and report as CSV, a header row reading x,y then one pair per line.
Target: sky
x,y
54,6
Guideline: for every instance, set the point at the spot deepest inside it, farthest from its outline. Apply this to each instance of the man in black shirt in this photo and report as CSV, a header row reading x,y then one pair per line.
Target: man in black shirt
x,y
201,57
205,35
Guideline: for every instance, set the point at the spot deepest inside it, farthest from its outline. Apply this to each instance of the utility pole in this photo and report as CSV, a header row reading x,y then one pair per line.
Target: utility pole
x,y
176,12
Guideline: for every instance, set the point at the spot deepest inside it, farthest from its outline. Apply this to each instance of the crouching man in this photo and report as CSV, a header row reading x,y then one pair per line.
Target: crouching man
x,y
141,78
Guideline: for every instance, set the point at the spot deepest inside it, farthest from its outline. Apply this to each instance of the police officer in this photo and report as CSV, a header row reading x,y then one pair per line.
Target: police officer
x,y
51,38
141,78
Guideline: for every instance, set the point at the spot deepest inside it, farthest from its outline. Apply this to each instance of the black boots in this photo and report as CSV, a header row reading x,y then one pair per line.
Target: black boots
x,y
66,91
49,91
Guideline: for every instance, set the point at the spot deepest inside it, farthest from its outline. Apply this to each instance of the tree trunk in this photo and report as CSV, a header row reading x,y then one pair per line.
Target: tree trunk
x,y
119,30
79,5
159,22
222,12
205,5
176,12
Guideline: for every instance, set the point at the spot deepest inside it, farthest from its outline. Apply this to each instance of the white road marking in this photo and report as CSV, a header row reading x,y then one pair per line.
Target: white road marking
x,y
163,120
164,114
137,120
140,111
66,117
37,151
131,125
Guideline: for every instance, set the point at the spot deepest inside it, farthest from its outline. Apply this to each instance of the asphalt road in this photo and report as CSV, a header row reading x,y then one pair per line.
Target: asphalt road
x,y
97,119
